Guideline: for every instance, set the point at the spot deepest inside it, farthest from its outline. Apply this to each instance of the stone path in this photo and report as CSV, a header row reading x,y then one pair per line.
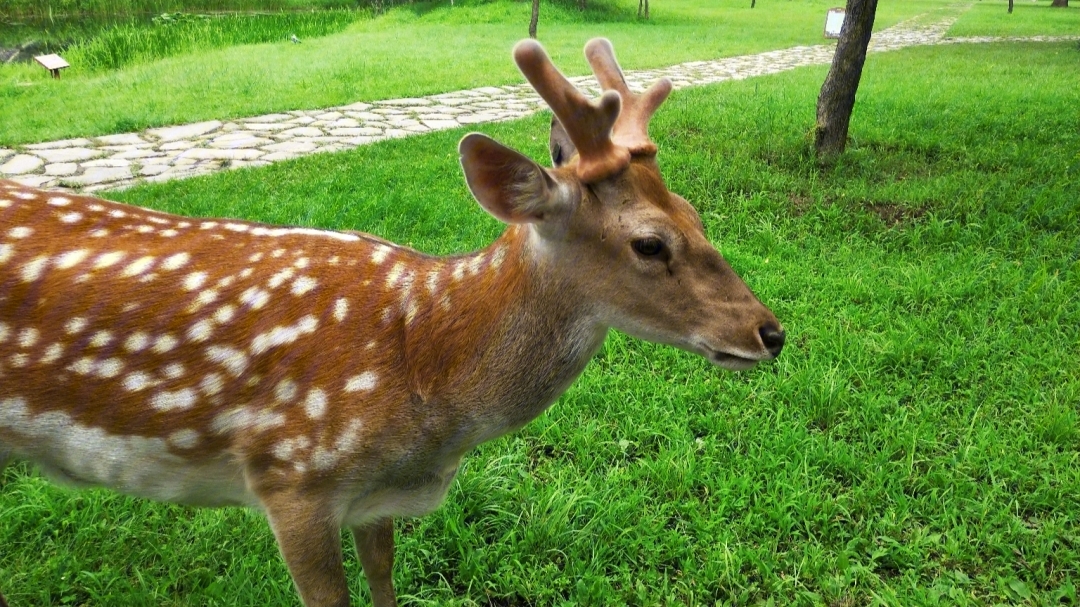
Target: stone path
x,y
175,152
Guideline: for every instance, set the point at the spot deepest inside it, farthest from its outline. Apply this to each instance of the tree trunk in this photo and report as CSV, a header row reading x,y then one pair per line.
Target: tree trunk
x,y
837,97
752,3
535,18
1060,3
640,4
1010,6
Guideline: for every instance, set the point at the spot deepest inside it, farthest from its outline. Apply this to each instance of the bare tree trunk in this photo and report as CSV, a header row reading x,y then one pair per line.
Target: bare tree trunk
x,y
640,4
837,97
535,18
1060,3
1010,6
581,4
753,3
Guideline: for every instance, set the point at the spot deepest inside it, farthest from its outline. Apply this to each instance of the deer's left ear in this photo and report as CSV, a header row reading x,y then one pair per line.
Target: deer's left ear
x,y
511,187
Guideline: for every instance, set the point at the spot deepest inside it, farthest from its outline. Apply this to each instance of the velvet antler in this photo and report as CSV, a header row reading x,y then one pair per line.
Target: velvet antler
x,y
631,129
588,123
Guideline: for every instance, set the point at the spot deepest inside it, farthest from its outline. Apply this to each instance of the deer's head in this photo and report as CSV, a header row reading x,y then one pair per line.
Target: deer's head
x,y
604,225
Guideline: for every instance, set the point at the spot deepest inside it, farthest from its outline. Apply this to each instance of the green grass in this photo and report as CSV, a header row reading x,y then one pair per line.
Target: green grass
x,y
915,444
991,18
415,49
14,9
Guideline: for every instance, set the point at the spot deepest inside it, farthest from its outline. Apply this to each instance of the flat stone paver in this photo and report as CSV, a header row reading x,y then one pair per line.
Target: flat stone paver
x,y
176,152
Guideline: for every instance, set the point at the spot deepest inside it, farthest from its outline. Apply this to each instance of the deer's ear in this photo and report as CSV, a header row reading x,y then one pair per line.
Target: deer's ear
x,y
511,187
559,144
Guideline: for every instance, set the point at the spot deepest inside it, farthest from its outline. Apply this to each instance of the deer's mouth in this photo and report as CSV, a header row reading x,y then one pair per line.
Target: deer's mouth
x,y
731,362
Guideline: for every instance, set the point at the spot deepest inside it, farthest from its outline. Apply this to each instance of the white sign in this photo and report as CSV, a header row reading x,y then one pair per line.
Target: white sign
x,y
51,62
834,21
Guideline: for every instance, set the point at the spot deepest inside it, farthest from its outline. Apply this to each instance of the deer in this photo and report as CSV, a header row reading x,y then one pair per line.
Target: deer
x,y
333,379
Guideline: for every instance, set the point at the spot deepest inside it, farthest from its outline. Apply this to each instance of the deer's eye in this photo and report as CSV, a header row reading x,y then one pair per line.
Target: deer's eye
x,y
648,247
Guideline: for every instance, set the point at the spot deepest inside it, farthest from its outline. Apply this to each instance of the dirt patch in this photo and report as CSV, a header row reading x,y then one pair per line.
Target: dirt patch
x,y
893,214
800,204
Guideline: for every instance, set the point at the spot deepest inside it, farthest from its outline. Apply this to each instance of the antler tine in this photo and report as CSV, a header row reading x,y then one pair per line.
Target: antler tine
x,y
631,130
588,123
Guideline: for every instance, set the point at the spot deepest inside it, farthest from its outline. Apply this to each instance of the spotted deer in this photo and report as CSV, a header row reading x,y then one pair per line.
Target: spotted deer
x,y
335,379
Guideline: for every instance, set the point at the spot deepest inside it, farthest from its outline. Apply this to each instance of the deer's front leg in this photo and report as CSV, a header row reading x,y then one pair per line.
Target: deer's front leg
x,y
310,541
375,545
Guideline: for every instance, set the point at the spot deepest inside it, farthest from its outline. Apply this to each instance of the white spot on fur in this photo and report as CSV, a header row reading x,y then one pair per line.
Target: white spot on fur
x,y
6,251
497,257
232,359
175,262
136,341
83,366
164,343
34,268
394,275
278,279
243,418
433,279
136,381
255,297
255,257
208,225
28,337
174,400
365,382
302,263
286,448
169,233
315,403
212,384
75,325
59,201
100,339
459,270
184,439
99,233
285,391
173,370
324,459
72,217
225,313
380,254
277,253
20,232
52,353
194,280
70,259
279,336
303,285
341,309
110,367
107,259
236,227
138,266
202,299
19,360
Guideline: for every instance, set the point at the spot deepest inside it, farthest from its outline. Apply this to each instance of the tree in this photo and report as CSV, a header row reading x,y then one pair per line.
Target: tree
x,y
1010,6
837,97
639,5
535,18
1060,3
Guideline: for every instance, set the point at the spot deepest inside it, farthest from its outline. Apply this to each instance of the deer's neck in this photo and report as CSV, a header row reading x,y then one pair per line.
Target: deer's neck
x,y
495,336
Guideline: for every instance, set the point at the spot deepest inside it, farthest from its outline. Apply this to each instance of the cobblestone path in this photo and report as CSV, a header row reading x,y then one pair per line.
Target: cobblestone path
x,y
175,152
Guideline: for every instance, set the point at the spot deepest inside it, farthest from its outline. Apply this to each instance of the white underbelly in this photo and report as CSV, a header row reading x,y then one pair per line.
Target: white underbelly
x,y
74,454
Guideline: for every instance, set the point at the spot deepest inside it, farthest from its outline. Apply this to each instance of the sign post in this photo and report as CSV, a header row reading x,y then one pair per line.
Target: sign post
x,y
53,63
834,22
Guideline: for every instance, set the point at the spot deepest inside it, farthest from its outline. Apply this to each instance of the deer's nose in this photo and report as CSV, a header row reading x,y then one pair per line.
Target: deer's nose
x,y
772,336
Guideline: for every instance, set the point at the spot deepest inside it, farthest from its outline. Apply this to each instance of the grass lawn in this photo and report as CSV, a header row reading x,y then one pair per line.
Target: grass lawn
x,y
1029,18
416,49
916,443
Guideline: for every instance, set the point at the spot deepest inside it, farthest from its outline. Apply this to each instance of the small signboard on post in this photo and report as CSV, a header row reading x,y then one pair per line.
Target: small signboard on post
x,y
834,22
53,63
